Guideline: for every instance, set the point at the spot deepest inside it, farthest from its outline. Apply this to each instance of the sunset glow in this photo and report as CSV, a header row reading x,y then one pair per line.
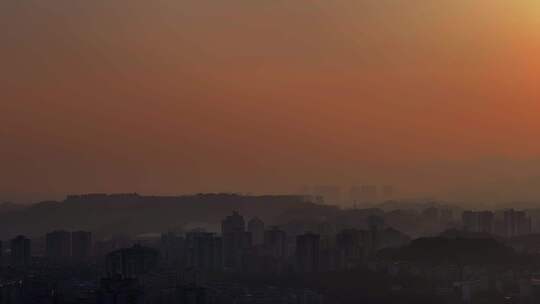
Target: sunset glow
x,y
183,96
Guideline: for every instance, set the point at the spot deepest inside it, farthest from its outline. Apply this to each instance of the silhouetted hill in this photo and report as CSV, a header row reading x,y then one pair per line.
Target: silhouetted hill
x,y
451,250
133,214
9,207
460,234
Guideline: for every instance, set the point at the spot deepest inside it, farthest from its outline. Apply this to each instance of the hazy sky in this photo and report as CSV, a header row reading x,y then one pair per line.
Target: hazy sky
x,y
173,96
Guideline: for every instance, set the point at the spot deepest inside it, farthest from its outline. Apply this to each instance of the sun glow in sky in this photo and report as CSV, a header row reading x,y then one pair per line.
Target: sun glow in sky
x,y
180,96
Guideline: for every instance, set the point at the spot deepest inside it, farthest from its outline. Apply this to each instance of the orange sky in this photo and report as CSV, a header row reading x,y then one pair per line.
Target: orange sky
x,y
170,96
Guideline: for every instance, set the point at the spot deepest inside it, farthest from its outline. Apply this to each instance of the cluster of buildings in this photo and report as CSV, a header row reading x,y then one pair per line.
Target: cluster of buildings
x,y
506,223
183,267
61,246
255,248
250,247
176,267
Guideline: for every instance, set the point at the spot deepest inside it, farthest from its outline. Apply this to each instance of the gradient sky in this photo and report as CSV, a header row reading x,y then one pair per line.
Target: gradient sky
x,y
174,96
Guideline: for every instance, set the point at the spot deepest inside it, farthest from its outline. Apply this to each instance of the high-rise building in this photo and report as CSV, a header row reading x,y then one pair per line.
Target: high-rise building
x,y
478,221
516,223
235,241
81,245
470,221
350,248
205,251
376,225
58,246
20,251
308,252
131,262
173,249
233,223
486,223
256,228
275,243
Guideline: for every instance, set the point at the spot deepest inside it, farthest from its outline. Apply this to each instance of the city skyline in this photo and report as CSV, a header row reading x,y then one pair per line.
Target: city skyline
x,y
468,259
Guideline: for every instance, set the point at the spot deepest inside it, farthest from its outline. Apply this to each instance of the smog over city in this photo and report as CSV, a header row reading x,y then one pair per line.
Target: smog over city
x,y
255,151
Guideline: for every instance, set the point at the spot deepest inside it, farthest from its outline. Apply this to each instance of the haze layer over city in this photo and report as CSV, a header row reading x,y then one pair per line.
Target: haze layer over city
x,y
175,97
